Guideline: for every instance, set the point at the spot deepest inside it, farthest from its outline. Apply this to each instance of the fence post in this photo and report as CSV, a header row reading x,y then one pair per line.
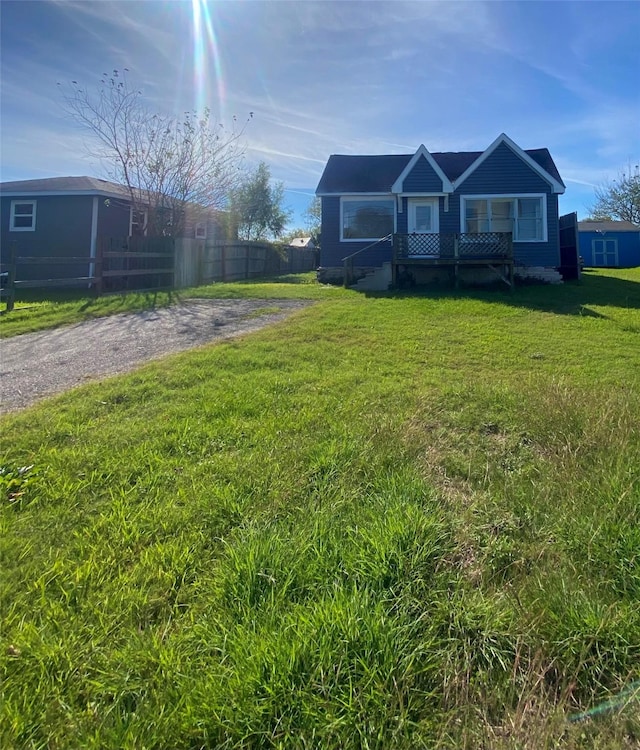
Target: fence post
x,y
347,273
11,277
223,262
247,251
98,267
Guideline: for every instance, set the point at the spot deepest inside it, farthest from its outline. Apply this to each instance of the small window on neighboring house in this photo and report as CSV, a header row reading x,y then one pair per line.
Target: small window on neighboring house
x,y
138,223
201,230
23,216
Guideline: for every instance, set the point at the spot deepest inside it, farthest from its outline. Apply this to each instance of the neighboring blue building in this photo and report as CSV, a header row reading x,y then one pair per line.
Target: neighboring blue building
x,y
65,216
503,189
609,244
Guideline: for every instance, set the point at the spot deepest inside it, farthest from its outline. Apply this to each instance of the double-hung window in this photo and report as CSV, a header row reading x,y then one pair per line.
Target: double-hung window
x,y
23,216
138,222
523,216
367,218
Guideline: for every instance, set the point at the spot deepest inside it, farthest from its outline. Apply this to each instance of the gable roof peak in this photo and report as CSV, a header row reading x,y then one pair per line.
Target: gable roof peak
x,y
422,152
556,185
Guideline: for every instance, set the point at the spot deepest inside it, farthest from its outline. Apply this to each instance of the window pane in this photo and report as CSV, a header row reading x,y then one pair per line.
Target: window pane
x,y
502,216
23,221
423,218
529,229
476,217
23,208
530,208
367,219
530,219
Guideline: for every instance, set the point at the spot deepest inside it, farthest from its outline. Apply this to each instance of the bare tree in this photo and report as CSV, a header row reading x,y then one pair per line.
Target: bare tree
x,y
174,169
619,198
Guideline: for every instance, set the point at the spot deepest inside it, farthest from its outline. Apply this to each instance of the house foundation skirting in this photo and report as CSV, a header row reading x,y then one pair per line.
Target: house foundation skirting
x,y
335,274
416,274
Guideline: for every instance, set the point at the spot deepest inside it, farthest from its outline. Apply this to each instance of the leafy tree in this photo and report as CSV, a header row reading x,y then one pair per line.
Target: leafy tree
x,y
313,218
619,198
257,205
169,166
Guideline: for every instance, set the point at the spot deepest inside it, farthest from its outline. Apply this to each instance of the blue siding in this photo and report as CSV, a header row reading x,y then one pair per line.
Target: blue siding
x,y
628,247
113,218
422,179
332,251
63,228
450,220
503,172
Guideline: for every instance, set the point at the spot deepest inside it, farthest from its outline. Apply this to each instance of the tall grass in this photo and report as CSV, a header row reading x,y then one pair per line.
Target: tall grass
x,y
388,522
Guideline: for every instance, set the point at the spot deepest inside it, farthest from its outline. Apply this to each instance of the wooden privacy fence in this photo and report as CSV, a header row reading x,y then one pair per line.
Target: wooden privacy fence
x,y
198,262
130,264
135,264
151,263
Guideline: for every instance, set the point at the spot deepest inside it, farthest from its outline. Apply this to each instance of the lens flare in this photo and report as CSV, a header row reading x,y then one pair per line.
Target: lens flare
x,y
207,64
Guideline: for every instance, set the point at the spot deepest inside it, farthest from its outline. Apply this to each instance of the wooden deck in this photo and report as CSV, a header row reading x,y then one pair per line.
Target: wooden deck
x,y
490,250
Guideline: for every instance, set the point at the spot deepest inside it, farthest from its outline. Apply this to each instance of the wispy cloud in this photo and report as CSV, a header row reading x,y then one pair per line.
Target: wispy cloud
x,y
339,77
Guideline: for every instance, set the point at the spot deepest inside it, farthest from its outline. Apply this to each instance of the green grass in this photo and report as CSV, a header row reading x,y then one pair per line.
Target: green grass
x,y
37,310
395,521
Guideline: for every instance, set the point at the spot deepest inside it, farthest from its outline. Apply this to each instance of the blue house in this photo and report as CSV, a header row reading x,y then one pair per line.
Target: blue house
x,y
609,244
464,214
57,217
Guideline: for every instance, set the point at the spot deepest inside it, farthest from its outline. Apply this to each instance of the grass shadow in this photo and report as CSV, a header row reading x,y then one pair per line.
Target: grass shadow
x,y
571,298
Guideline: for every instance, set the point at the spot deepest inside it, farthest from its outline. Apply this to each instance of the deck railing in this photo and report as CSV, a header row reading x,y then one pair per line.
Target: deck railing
x,y
486,246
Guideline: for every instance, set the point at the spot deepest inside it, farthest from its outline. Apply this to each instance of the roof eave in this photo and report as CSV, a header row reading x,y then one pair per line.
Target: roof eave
x,y
51,193
357,192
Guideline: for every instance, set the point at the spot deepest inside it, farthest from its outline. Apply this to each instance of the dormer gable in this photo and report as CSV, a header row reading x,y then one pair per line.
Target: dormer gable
x,y
422,174
504,140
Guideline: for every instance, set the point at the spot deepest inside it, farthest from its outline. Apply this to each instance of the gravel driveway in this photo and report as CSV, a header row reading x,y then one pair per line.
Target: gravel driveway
x,y
40,364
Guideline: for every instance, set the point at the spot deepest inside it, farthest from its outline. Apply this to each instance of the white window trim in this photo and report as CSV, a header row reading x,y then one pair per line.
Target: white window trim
x,y
12,216
364,197
145,213
509,196
201,225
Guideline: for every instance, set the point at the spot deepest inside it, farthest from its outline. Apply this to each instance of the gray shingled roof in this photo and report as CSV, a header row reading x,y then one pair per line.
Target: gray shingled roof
x,y
607,226
65,185
376,174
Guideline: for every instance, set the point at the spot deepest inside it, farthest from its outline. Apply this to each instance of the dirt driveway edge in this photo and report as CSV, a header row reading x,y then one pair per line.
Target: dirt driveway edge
x,y
36,365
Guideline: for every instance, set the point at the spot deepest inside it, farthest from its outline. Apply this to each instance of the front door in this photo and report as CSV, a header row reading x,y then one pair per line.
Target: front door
x,y
423,220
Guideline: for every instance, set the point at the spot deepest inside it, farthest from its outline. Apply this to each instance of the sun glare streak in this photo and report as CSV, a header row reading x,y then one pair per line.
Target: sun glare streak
x,y
206,55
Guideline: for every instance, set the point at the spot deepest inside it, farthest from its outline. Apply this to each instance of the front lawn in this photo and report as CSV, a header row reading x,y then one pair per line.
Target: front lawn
x,y
395,521
37,310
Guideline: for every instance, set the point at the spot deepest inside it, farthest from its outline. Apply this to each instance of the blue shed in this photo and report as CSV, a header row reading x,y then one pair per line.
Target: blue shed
x,y
609,244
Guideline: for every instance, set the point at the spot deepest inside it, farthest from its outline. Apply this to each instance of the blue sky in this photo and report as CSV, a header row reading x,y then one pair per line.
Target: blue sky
x,y
337,77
